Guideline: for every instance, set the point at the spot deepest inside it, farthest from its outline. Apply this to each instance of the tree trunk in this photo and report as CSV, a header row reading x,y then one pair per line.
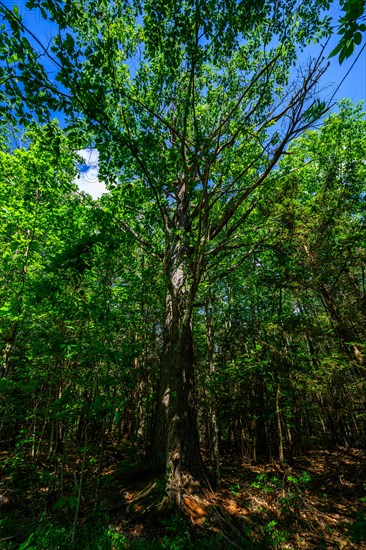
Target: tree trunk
x,y
214,432
281,455
176,447
8,350
176,443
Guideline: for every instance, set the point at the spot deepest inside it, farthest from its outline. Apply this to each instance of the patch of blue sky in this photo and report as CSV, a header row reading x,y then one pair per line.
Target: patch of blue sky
x,y
88,178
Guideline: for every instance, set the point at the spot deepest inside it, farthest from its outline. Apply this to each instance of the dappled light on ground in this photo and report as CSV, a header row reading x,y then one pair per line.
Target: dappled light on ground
x,y
317,502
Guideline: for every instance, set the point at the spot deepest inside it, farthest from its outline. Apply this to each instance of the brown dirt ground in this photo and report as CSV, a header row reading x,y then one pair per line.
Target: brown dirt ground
x,y
311,504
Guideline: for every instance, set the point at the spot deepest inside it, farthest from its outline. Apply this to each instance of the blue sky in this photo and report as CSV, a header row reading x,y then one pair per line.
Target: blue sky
x,y
351,75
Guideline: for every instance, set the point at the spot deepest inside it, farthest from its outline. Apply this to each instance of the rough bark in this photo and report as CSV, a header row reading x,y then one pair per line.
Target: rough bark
x,y
176,447
176,443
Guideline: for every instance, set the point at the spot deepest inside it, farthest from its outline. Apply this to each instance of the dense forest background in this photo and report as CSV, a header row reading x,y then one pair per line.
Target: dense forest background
x,y
279,343
230,269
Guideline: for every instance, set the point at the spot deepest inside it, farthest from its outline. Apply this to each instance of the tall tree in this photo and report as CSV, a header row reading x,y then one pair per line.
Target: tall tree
x,y
191,105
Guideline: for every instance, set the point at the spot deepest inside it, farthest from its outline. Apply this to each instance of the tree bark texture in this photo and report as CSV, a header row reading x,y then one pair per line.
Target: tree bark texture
x,y
176,443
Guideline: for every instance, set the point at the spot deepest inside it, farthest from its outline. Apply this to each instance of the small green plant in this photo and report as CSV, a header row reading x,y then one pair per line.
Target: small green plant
x,y
265,483
177,534
357,529
27,544
235,490
293,499
112,539
273,537
47,537
301,480
291,502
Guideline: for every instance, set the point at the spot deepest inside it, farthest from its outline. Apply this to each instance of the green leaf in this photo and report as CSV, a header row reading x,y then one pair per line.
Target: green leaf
x,y
343,55
336,50
357,38
26,544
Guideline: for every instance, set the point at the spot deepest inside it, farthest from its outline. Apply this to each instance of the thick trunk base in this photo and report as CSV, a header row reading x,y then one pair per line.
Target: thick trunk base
x,y
176,449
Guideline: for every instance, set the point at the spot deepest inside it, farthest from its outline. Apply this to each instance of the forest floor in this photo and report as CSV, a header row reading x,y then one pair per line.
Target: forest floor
x,y
318,502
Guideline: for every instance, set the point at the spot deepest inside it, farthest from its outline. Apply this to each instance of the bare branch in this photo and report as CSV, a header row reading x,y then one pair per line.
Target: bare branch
x,y
295,112
242,96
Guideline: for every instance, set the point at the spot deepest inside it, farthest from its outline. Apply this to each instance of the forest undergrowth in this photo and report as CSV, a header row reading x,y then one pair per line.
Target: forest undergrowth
x,y
319,501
